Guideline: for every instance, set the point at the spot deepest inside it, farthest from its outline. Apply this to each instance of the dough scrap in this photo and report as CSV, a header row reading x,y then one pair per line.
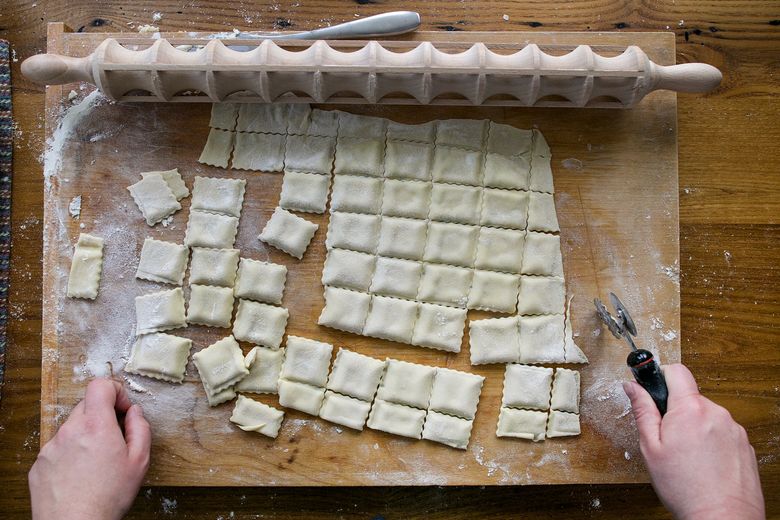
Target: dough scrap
x,y
260,281
408,160
391,319
494,340
513,173
154,198
308,153
453,244
541,339
500,250
348,269
446,429
396,277
356,194
214,266
406,383
174,181
221,364
403,198
259,152
445,285
402,238
504,208
160,356
306,361
163,262
218,148
563,424
542,254
211,306
439,327
455,393
455,203
86,267
217,195
541,295
353,231
252,416
358,156
457,166
307,192
527,387
566,391
344,410
288,232
224,116
260,324
264,365
206,229
396,419
160,311
355,375
522,424
301,396
345,310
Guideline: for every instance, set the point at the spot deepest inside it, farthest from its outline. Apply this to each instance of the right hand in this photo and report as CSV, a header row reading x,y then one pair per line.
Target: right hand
x,y
700,460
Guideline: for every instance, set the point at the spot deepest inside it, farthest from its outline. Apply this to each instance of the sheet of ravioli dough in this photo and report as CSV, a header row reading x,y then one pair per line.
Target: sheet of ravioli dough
x,y
86,267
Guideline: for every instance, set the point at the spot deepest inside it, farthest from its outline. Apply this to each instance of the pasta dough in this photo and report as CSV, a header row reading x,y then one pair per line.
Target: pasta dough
x,y
494,340
348,269
494,291
542,255
252,416
288,232
541,213
221,196
345,310
541,339
174,181
218,148
268,118
462,133
541,295
214,266
264,367
445,284
522,424
566,391
453,244
500,250
455,393
405,383
453,203
216,398
508,140
354,125
306,192
300,396
246,156
86,267
504,208
163,262
160,311
406,198
408,160
356,194
439,327
224,116
457,166
391,319
396,419
260,324
344,410
358,156
160,356
396,277
402,237
512,173
154,198
353,231
210,230
355,375
563,424
309,154
220,365
446,429
209,305
260,281
423,133
527,387
306,361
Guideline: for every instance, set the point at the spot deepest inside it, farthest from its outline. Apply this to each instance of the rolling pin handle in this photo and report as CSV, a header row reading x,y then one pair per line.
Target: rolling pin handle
x,y
687,77
53,69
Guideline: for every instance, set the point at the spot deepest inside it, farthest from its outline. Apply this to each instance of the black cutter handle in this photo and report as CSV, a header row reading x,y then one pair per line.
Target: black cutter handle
x,y
648,374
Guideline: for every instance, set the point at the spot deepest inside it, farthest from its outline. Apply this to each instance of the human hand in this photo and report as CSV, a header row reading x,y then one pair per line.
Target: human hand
x,y
700,460
90,469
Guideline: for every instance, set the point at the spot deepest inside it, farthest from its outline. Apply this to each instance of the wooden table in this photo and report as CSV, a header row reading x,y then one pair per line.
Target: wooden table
x,y
729,207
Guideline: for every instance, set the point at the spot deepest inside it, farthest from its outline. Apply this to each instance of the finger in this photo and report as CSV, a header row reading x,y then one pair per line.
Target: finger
x,y
680,383
138,435
104,397
646,414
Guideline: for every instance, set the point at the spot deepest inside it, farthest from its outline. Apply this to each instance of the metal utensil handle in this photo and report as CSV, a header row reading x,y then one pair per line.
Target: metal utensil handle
x,y
648,374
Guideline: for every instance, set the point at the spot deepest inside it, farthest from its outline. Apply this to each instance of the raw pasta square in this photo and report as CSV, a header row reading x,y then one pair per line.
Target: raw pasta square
x,y
446,429
508,140
324,123
541,295
300,396
522,424
566,391
160,356
353,231
344,410
563,424
210,230
504,208
268,118
210,305
163,262
221,364
264,366
542,254
541,213
356,194
259,152
396,419
456,393
355,375
214,266
494,291
406,383
260,281
402,238
355,125
154,198
86,267
541,339
461,133
445,284
224,116
396,277
345,310
218,147
356,156
454,244
252,416
306,361
215,398
455,203
260,324
541,175
457,166
439,327
507,172
221,196
494,340
308,153
406,198
160,311
527,387
422,133
408,160
288,232
304,191
174,181
348,269
500,249
391,318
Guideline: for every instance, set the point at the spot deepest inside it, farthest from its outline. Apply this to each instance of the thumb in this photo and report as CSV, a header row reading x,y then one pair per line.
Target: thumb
x,y
646,415
138,435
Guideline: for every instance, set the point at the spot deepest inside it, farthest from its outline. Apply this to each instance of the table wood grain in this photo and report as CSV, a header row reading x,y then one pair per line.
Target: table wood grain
x,y
729,238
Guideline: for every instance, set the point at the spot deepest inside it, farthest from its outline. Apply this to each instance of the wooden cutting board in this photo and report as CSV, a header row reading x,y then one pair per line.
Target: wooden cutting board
x,y
616,195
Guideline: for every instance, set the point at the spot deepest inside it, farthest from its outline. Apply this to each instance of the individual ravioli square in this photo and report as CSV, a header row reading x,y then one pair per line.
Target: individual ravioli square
x,y
527,387
260,281
260,324
402,238
160,311
356,125
408,160
206,229
541,295
308,153
264,366
216,398
324,123
269,118
500,249
504,208
304,191
511,173
348,269
439,327
396,419
214,266
221,364
422,133
542,254
453,244
445,284
212,306
566,391
456,393
542,339
174,181
406,383
353,231
344,410
356,194
288,232
391,319
306,361
522,424
163,262
221,196
345,310
454,203
406,198
446,429
259,152
300,396
508,140
494,340
396,277
224,116
541,178
541,213
461,133
457,166
218,148
492,291
563,424
355,375
160,356
154,198
356,156
251,416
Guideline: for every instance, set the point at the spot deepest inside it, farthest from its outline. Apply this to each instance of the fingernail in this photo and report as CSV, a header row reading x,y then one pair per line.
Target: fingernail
x,y
138,410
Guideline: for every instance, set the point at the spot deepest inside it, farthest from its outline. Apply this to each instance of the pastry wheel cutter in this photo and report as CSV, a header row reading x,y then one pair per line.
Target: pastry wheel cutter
x,y
643,365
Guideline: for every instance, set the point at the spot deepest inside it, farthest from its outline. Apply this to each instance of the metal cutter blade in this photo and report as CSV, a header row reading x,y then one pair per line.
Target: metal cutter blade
x,y
622,326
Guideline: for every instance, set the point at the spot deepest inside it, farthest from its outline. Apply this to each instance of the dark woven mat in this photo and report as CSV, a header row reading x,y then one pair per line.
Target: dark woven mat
x,y
6,147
